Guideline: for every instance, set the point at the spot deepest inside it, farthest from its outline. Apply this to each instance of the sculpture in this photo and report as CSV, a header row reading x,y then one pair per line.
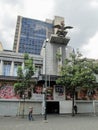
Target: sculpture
x,y
61,29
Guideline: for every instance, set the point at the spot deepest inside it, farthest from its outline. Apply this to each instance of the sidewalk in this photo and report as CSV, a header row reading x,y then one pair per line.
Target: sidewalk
x,y
54,122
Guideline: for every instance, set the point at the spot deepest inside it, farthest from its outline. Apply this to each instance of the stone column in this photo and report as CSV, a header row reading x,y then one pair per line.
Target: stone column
x,y
22,65
12,68
1,67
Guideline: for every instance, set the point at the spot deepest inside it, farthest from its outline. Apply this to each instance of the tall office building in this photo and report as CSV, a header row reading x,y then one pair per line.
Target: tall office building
x,y
30,35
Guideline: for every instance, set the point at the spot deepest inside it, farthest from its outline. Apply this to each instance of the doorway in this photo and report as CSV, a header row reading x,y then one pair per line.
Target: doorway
x,y
52,107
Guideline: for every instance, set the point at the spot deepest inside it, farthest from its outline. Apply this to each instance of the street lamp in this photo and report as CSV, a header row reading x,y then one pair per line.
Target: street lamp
x,y
45,86
23,96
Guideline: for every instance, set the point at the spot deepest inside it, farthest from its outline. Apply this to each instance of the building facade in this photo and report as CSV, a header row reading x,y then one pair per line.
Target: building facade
x,y
29,38
48,58
9,62
56,97
30,34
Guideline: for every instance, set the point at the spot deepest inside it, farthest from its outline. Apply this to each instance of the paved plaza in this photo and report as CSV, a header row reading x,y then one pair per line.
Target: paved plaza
x,y
54,122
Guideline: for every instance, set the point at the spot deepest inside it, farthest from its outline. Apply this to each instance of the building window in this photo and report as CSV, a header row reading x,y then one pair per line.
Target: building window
x,y
6,68
16,68
38,70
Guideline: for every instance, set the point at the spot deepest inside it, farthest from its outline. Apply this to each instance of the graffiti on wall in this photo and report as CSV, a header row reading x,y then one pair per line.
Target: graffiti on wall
x,y
7,92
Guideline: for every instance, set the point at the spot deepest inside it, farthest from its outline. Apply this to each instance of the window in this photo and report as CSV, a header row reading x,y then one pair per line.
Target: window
x,y
16,68
6,68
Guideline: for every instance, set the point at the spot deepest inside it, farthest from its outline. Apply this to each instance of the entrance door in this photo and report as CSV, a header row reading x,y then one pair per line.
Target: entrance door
x,y
52,107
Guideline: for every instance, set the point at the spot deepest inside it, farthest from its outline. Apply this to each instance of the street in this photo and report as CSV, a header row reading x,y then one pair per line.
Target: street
x,y
54,122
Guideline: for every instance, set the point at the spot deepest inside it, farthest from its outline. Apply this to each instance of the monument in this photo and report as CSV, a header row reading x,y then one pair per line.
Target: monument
x,y
60,36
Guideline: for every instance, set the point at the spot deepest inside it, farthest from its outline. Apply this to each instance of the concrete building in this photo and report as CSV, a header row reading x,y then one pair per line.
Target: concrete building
x,y
50,52
50,49
9,62
10,105
48,57
48,61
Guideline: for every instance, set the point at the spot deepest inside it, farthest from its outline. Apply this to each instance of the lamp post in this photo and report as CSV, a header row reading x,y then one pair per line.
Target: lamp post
x,y
23,96
45,86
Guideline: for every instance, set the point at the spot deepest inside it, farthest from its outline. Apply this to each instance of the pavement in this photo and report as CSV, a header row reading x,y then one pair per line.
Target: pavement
x,y
53,122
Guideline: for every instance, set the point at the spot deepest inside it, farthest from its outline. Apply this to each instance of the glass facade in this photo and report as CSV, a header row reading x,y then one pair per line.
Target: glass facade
x,y
33,34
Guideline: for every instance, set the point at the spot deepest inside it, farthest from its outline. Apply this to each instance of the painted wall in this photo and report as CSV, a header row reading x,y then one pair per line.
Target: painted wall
x,y
7,91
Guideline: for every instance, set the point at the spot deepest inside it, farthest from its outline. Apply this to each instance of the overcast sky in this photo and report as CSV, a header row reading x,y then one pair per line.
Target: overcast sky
x,y
81,14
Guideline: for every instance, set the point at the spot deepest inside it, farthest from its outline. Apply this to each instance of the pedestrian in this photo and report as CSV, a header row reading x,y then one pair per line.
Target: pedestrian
x,y
30,115
75,109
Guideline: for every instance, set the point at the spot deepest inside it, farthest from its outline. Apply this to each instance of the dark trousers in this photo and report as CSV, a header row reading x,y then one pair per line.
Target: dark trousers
x,y
30,117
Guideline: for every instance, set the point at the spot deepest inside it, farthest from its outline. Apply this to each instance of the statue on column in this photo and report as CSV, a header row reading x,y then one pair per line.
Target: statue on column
x,y
62,29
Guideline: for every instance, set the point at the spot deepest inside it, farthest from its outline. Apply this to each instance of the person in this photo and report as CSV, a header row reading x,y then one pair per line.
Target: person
x,y
75,109
30,116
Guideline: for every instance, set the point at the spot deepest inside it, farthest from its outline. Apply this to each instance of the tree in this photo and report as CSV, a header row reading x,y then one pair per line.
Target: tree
x,y
24,77
78,72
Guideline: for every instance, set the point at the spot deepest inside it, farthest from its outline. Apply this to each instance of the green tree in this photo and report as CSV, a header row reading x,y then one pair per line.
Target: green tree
x,y
78,72
24,77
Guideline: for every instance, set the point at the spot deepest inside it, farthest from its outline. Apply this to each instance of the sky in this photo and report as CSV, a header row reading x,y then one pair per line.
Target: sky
x,y
81,14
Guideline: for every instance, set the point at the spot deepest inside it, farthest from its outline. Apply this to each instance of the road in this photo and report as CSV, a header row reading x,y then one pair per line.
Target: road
x,y
54,122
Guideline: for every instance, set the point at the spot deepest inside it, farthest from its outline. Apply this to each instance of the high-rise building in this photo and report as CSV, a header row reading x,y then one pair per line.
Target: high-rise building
x,y
30,34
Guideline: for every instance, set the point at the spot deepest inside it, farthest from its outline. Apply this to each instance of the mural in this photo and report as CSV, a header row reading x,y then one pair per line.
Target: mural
x,y
38,89
49,95
59,92
7,92
59,89
86,94
38,92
